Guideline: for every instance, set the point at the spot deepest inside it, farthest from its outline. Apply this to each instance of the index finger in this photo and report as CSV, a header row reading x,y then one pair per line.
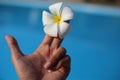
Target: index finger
x,y
47,40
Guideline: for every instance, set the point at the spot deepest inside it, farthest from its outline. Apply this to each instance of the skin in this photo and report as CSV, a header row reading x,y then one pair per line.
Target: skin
x,y
48,62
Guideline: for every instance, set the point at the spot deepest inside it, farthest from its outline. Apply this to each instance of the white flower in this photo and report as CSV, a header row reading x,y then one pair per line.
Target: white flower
x,y
56,24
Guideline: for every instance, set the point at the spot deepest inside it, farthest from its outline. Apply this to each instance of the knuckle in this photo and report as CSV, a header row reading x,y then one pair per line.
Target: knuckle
x,y
59,54
62,49
67,58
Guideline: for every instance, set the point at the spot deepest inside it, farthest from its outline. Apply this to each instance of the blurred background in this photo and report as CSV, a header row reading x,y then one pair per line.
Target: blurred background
x,y
102,2
93,43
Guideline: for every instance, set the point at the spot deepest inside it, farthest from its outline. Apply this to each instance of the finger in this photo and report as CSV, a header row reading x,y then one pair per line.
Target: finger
x,y
47,40
44,47
55,57
64,65
56,42
12,43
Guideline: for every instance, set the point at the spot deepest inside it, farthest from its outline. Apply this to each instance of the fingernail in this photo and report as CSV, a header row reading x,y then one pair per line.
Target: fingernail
x,y
47,65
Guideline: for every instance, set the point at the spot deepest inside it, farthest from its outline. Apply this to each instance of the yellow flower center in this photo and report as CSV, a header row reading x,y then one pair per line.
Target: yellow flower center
x,y
57,19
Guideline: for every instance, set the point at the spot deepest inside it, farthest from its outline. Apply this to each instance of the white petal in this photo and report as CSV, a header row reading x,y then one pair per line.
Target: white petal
x,y
47,18
55,8
67,14
64,28
51,30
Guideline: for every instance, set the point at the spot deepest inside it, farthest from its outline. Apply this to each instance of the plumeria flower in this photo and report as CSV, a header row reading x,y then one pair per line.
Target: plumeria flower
x,y
56,23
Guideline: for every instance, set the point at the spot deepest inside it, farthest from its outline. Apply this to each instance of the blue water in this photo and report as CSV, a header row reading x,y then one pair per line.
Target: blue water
x,y
93,43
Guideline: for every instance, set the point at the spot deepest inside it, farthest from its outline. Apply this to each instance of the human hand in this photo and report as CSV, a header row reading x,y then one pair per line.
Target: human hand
x,y
37,66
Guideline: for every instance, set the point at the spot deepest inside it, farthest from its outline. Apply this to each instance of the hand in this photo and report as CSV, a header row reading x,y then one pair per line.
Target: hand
x,y
48,62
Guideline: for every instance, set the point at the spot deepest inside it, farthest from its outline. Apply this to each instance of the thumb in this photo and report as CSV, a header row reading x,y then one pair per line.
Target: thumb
x,y
15,51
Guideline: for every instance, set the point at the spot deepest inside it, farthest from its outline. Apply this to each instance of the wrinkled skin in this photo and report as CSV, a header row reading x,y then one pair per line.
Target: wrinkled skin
x,y
48,62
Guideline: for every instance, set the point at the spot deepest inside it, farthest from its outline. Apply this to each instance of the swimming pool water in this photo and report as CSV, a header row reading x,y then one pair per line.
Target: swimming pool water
x,y
93,43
